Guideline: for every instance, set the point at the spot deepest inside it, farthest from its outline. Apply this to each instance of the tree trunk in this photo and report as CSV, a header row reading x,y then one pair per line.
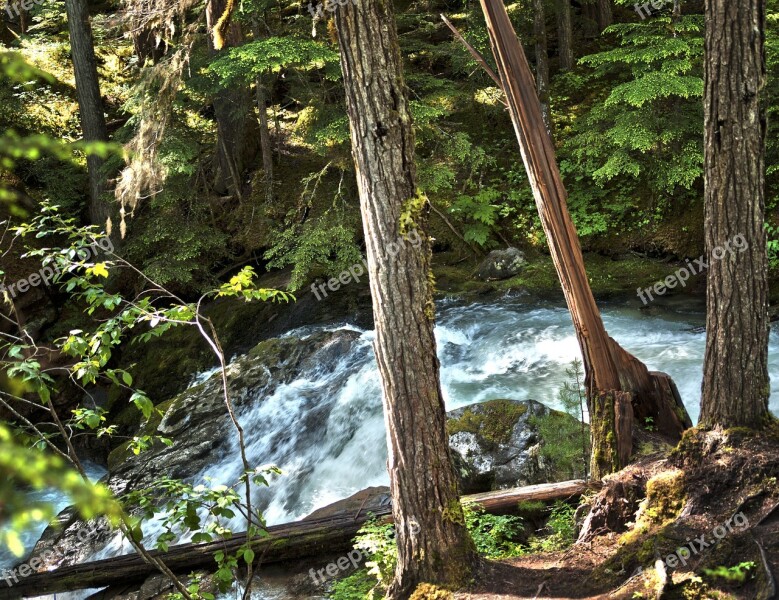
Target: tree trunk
x,y
542,60
605,14
237,135
608,367
564,34
589,19
433,543
735,382
265,143
90,104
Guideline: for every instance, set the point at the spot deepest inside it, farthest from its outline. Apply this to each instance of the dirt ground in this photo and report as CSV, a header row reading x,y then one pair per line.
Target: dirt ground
x,y
714,498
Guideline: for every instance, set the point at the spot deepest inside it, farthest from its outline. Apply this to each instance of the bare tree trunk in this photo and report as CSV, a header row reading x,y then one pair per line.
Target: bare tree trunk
x,y
265,145
564,34
609,369
605,14
433,543
735,383
90,104
542,60
265,142
237,135
590,19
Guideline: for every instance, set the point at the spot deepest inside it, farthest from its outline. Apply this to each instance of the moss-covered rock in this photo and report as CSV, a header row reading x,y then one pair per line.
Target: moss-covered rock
x,y
496,444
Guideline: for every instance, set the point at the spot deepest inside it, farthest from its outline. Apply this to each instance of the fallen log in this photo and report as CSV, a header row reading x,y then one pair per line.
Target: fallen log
x,y
289,541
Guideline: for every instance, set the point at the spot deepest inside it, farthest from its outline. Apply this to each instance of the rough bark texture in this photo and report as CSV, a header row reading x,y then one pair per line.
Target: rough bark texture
x,y
608,367
564,34
611,419
90,104
237,131
542,60
735,383
433,543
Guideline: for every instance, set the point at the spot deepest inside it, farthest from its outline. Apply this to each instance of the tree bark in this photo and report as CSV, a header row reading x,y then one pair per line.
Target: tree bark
x,y
564,34
608,367
433,543
605,14
542,60
589,19
237,131
265,145
265,141
735,383
90,104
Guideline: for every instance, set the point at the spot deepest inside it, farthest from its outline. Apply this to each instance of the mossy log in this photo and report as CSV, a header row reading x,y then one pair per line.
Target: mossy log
x,y
289,541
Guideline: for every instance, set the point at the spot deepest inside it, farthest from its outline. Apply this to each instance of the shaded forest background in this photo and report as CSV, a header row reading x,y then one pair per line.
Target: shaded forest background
x,y
206,197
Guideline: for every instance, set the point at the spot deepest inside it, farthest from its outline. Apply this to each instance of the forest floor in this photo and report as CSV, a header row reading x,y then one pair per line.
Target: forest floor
x,y
712,504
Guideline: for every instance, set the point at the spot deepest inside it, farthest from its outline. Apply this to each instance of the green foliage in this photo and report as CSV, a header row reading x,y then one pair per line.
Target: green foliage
x,y
737,573
562,528
360,585
479,212
566,436
271,55
640,141
150,313
378,543
495,536
324,245
22,465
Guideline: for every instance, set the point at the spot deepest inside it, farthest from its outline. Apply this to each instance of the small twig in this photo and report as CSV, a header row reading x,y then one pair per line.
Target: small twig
x,y
771,582
474,52
449,224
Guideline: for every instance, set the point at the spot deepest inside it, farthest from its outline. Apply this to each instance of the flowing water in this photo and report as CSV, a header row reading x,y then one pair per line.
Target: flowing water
x,y
505,348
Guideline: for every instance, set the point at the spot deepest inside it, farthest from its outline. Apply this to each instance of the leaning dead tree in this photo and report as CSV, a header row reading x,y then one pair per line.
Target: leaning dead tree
x,y
620,388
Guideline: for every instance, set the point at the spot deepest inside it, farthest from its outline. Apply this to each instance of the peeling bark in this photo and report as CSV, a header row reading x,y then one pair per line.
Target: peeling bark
x,y
608,367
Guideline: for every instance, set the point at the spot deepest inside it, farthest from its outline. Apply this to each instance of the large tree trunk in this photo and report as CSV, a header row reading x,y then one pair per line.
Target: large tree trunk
x,y
564,34
90,104
542,60
609,369
735,382
237,132
433,543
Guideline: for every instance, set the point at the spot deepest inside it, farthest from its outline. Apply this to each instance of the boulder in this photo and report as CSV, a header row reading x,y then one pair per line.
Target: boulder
x,y
495,445
501,264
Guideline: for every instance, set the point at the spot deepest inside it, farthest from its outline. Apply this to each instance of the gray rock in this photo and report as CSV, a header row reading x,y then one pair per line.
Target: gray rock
x,y
496,445
501,264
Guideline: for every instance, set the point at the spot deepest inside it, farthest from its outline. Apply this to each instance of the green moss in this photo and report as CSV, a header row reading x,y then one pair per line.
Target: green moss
x,y
426,591
494,422
454,513
665,497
